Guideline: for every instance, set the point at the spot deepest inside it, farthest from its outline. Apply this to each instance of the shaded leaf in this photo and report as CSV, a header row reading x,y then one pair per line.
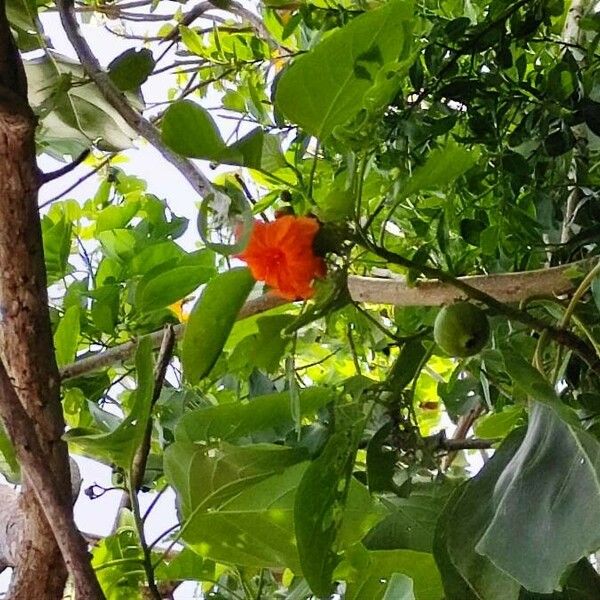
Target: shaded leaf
x,y
547,503
320,499
467,575
131,69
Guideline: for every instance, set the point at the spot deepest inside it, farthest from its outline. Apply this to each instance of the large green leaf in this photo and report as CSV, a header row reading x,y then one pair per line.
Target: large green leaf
x,y
119,446
207,476
76,113
320,501
466,574
326,87
547,503
211,321
236,420
246,514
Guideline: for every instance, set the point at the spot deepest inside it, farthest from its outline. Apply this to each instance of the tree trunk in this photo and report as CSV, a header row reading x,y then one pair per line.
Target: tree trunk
x,y
26,347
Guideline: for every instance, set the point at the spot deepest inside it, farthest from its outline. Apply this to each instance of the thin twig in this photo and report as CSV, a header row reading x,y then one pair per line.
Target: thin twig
x,y
77,183
46,177
119,102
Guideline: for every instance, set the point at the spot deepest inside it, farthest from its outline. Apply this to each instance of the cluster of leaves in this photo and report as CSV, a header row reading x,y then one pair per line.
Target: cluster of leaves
x,y
301,443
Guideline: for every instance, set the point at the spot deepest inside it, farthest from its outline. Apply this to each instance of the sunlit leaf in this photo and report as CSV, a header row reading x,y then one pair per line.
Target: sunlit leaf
x,y
211,321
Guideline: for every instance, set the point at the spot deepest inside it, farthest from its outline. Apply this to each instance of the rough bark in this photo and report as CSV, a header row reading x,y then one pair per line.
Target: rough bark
x,y
26,348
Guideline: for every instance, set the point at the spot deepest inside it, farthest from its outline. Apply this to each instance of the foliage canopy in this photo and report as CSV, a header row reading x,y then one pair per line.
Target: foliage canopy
x,y
432,140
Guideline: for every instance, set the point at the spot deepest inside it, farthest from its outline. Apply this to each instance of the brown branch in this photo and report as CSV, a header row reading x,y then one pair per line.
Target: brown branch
x,y
465,422
507,287
118,101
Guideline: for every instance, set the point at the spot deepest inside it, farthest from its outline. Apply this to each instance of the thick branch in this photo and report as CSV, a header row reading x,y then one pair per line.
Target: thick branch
x,y
504,287
118,101
507,287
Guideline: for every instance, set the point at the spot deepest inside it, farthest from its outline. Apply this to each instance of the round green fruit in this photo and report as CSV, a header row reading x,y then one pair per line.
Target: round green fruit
x,y
461,329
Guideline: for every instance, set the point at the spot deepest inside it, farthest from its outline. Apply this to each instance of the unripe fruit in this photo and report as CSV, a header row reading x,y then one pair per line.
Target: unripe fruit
x,y
461,329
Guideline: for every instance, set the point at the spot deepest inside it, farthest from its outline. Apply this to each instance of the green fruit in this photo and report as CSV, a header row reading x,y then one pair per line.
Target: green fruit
x,y
461,329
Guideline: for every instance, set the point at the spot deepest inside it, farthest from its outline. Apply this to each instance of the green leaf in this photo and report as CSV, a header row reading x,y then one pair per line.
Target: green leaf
x,y
186,565
23,15
66,336
75,113
400,587
498,425
467,575
367,573
56,235
211,321
442,167
412,521
154,255
207,476
116,217
547,503
131,69
122,551
325,88
264,349
406,367
236,420
189,130
9,467
246,515
119,446
157,290
320,500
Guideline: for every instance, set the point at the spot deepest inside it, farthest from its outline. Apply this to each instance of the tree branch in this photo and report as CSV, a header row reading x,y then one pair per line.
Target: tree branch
x,y
46,177
506,287
118,101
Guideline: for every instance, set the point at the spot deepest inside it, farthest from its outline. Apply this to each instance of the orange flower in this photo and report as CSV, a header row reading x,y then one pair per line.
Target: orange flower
x,y
280,253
